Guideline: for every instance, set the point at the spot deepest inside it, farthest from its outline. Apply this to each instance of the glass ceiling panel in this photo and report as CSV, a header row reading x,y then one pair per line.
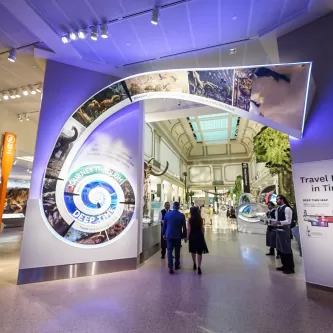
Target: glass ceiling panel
x,y
218,115
198,135
217,142
194,126
213,136
214,124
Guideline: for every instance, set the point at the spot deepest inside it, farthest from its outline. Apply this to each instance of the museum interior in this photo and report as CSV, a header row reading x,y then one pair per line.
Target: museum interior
x,y
110,110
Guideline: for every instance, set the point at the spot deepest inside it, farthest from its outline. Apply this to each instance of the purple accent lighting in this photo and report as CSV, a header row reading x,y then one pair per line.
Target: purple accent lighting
x,y
65,89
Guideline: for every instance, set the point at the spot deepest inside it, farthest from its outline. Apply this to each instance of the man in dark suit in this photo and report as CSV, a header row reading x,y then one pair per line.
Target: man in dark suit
x,y
174,230
161,220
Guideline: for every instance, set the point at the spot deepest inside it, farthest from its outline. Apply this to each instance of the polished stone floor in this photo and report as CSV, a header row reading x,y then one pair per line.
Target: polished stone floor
x,y
239,291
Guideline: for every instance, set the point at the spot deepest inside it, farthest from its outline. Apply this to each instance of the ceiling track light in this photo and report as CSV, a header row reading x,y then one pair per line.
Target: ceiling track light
x,y
82,34
155,16
104,30
20,118
25,91
65,39
39,88
27,117
12,55
73,35
94,33
32,90
12,94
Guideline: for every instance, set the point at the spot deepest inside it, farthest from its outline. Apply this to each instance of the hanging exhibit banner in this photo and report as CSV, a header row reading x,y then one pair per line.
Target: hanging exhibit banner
x,y
246,178
274,95
313,183
7,159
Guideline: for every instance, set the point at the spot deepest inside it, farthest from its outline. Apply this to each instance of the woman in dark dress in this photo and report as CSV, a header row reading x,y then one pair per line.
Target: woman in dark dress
x,y
196,238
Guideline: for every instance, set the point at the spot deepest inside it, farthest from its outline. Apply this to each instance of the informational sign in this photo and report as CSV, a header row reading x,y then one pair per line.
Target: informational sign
x,y
314,196
8,153
246,178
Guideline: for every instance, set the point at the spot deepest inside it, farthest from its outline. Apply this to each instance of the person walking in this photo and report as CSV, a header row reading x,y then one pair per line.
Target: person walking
x,y
283,242
271,231
210,214
196,238
161,220
174,230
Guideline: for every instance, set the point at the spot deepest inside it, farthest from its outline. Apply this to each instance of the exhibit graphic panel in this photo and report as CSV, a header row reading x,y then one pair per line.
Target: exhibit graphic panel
x,y
313,183
274,95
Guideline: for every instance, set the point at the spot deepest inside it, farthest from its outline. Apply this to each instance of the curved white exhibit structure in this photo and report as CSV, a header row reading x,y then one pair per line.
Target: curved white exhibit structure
x,y
84,213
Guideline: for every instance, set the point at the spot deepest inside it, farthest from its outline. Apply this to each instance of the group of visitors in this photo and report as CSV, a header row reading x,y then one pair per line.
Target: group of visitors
x,y
278,235
206,214
175,229
231,213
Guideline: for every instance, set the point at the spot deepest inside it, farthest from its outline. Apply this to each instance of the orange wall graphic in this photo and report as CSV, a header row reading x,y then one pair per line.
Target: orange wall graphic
x,y
8,153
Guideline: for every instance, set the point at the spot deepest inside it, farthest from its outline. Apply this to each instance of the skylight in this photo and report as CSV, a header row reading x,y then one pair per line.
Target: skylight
x,y
214,128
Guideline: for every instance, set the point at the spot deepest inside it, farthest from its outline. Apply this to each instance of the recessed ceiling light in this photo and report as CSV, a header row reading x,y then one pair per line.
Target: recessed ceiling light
x,y
232,51
94,33
12,55
104,30
155,16
5,95
73,35
234,18
65,39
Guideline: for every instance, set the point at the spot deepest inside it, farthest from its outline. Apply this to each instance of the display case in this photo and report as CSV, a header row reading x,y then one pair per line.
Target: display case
x,y
250,217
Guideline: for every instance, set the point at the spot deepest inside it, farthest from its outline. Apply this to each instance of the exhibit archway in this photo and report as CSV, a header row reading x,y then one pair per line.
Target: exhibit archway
x,y
90,198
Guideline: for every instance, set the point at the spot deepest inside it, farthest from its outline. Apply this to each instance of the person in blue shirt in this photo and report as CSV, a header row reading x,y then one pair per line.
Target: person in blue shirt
x,y
174,230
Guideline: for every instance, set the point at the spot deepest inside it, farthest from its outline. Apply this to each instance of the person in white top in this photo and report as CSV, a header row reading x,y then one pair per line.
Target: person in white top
x,y
283,221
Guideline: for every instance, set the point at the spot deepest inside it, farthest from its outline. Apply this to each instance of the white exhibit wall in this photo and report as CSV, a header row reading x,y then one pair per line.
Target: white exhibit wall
x,y
41,248
314,198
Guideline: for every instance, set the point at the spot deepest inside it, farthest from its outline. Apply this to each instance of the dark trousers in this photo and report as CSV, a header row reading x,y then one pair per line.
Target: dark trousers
x,y
173,244
287,261
271,250
163,246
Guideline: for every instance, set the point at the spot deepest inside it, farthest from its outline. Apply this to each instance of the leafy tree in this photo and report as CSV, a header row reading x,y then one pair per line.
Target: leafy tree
x,y
238,187
272,147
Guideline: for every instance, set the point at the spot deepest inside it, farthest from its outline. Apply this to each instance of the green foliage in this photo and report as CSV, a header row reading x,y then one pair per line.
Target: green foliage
x,y
272,147
238,187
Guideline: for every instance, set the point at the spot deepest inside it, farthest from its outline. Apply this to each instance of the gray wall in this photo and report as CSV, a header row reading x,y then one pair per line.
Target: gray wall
x,y
313,42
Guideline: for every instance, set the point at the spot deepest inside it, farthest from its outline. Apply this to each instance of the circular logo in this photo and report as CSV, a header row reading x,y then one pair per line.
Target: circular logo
x,y
10,138
98,204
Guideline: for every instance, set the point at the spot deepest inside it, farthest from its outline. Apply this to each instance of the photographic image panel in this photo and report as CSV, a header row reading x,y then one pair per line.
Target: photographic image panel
x,y
100,103
50,207
69,134
160,82
243,88
278,93
214,84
